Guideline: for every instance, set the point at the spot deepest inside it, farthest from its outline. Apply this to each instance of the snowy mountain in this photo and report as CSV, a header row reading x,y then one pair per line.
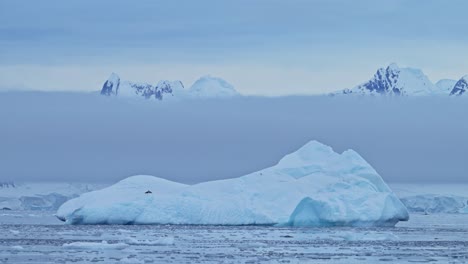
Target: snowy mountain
x,y
396,81
205,87
208,86
461,86
115,86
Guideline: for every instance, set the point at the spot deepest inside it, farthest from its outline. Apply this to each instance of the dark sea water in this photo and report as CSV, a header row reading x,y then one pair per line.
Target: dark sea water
x,y
37,237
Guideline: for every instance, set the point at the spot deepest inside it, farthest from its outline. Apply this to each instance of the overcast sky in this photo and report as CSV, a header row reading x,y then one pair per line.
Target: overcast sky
x,y
263,47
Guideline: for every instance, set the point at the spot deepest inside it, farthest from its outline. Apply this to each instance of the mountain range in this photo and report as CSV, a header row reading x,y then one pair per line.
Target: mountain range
x,y
395,81
204,87
387,81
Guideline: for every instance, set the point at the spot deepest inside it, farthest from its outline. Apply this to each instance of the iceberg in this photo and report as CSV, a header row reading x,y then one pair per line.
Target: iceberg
x,y
313,186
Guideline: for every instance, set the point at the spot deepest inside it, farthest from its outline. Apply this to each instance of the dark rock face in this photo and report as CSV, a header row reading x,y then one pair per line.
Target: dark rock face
x,y
157,91
384,81
7,185
460,87
114,86
111,86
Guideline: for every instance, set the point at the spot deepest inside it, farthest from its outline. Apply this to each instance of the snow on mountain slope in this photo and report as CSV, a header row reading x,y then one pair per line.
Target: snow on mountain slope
x,y
395,81
40,196
313,186
446,85
205,87
461,86
208,86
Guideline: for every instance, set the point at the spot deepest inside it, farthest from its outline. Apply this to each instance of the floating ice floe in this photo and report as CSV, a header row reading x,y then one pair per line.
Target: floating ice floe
x,y
17,247
94,245
367,236
313,186
153,242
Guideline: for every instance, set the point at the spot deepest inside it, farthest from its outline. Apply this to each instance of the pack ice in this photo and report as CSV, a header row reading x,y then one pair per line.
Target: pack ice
x,y
313,186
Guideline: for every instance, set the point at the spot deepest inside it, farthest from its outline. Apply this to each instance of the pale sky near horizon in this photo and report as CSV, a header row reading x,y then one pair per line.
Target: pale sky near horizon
x,y
261,47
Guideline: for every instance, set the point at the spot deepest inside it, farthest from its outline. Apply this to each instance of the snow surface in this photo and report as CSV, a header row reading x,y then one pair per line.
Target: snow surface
x,y
446,85
313,186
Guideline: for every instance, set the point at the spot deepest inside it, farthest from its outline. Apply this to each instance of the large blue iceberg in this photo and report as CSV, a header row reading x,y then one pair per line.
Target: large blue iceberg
x,y
313,186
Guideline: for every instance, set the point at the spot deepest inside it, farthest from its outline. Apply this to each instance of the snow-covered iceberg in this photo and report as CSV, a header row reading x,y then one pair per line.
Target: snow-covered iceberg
x,y
313,186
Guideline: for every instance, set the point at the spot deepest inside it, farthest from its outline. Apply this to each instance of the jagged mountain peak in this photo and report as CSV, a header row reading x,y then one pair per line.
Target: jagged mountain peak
x,y
395,81
111,86
115,86
461,86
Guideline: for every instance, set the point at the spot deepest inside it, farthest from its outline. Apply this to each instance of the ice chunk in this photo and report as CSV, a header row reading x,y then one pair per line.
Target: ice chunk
x,y
94,245
368,236
17,247
313,186
153,242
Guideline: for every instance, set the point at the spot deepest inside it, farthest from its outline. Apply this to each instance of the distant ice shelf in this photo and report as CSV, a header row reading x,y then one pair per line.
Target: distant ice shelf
x,y
436,203
40,196
313,186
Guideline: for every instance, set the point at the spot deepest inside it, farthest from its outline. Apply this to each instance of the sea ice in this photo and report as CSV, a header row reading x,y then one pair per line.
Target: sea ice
x,y
313,186
94,245
152,242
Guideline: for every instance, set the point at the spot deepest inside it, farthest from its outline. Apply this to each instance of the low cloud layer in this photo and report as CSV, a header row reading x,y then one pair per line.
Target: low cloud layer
x,y
86,137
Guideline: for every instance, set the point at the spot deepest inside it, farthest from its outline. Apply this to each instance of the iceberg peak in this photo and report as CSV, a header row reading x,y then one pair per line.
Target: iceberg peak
x,y
311,151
